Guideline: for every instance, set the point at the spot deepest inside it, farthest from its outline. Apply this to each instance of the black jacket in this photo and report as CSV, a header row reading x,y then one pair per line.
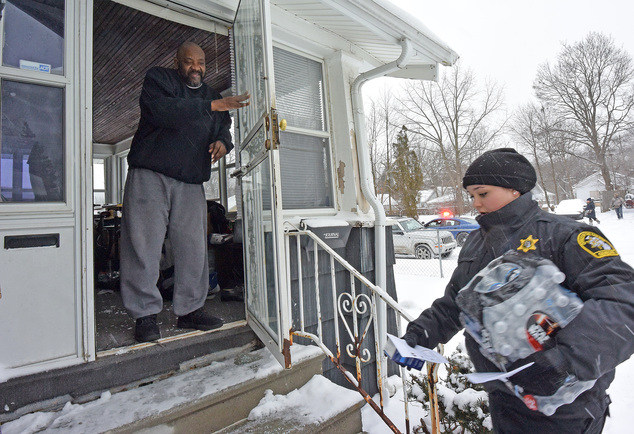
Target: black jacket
x,y
176,128
590,210
595,342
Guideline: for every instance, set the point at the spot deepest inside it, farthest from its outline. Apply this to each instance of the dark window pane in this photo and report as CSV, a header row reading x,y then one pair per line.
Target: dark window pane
x,y
34,35
32,148
306,181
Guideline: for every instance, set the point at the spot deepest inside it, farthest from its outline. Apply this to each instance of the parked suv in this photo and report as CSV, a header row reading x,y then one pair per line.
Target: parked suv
x,y
411,238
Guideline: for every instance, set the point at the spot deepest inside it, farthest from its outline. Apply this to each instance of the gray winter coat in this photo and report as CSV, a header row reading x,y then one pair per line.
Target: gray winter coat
x,y
617,202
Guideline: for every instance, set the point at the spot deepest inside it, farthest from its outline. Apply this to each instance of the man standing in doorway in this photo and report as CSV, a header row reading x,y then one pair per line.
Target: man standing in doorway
x,y
184,128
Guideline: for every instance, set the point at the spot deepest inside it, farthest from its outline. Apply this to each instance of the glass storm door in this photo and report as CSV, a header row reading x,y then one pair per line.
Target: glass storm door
x,y
260,180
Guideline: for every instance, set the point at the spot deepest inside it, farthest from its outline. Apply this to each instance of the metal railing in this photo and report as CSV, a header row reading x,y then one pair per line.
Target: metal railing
x,y
352,307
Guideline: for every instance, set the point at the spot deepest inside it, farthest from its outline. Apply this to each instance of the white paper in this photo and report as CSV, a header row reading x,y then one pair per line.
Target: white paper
x,y
419,352
483,377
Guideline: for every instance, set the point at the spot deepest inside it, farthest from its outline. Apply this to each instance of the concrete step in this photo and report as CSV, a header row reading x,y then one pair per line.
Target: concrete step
x,y
222,394
245,393
343,417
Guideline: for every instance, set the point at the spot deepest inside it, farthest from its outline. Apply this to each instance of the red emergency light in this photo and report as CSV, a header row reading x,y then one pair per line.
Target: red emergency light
x,y
446,214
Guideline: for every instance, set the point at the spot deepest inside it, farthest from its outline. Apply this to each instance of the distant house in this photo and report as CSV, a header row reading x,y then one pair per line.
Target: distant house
x,y
432,201
540,196
593,185
390,204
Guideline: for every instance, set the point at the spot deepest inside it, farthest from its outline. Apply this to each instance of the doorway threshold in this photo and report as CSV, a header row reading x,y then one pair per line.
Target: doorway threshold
x,y
167,340
123,368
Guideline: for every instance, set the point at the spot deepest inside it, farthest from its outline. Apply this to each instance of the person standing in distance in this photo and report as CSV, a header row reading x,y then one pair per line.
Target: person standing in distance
x,y
591,211
184,128
617,205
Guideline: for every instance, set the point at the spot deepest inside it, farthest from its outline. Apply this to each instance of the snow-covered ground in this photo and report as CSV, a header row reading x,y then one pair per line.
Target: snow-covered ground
x,y
416,294
315,400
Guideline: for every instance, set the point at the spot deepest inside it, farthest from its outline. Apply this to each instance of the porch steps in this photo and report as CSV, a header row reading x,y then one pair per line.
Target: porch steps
x,y
348,421
227,410
215,397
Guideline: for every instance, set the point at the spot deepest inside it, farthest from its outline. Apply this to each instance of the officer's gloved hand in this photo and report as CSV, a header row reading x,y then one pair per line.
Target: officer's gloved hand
x,y
411,339
545,376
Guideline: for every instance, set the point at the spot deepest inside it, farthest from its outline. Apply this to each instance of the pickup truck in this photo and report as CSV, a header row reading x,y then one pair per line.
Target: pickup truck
x,y
412,238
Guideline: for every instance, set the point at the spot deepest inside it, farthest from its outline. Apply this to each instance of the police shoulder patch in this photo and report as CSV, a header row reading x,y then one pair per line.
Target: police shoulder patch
x,y
596,245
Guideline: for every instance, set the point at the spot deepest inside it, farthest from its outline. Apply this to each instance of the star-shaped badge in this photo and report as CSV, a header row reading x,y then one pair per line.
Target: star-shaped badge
x,y
528,244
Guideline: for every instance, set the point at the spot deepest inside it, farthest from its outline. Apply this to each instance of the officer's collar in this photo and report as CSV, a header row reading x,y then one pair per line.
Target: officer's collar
x,y
509,214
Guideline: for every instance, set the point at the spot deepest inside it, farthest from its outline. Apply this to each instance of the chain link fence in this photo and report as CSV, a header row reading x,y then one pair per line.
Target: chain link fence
x,y
439,266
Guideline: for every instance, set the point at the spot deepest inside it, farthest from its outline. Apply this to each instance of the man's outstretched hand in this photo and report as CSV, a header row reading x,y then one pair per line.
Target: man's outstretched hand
x,y
231,102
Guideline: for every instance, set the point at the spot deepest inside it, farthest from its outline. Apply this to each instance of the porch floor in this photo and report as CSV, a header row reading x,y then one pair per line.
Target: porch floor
x,y
115,328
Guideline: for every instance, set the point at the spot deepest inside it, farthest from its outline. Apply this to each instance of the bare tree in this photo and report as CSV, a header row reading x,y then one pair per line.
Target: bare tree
x,y
374,128
591,86
382,126
546,136
452,116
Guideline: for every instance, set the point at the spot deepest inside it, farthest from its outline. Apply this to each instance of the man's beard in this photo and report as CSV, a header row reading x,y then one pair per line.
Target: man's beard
x,y
194,79
191,79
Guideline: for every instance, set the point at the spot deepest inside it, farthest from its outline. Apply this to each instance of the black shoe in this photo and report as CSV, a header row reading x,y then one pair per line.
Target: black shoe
x,y
146,329
199,320
233,294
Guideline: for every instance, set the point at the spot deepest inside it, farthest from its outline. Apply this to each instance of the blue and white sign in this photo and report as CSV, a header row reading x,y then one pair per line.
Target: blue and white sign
x,y
35,66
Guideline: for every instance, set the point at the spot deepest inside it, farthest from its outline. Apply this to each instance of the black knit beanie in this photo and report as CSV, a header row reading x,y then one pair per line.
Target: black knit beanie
x,y
503,167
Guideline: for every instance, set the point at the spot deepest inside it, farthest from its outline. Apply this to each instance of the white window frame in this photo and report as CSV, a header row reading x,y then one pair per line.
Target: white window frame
x,y
12,210
327,134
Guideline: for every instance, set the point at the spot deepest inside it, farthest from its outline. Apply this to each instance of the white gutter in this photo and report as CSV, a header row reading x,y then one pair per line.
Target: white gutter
x,y
367,186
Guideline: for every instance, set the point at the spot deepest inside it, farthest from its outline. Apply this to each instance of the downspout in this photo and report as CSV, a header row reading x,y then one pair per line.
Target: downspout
x,y
367,186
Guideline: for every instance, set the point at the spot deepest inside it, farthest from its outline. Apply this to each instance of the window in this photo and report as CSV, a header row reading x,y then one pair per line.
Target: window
x,y
32,147
32,133
99,181
305,145
34,35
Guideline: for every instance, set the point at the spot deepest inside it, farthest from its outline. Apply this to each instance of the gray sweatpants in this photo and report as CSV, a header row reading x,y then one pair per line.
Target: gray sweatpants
x,y
154,206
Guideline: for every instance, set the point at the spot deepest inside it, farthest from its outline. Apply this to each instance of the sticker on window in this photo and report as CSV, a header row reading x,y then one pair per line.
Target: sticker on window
x,y
35,66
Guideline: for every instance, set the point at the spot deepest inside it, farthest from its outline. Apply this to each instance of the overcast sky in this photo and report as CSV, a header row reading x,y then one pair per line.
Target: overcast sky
x,y
507,41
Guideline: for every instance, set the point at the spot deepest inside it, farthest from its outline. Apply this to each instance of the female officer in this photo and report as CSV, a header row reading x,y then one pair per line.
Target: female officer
x,y
574,370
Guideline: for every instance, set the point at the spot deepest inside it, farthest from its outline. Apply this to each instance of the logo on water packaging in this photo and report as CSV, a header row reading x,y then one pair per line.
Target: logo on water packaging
x,y
540,329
